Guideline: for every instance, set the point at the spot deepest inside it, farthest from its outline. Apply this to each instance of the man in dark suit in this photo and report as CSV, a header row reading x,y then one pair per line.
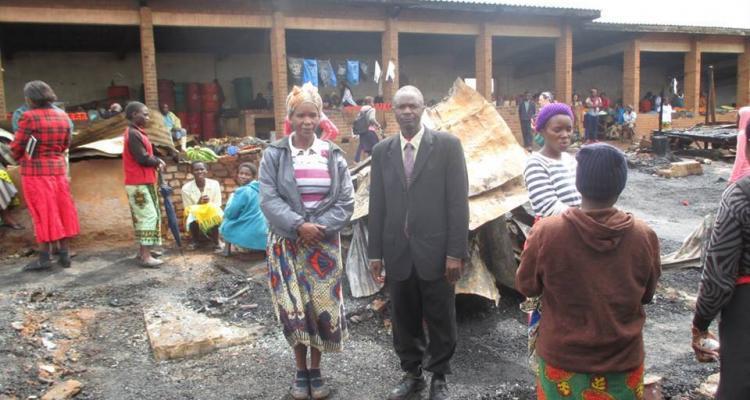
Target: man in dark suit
x,y
526,111
418,231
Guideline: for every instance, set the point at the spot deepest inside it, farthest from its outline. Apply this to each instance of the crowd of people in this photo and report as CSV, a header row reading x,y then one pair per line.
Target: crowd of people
x,y
596,115
587,267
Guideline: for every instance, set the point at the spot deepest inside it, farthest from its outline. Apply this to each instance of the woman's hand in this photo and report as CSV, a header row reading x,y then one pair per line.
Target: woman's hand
x,y
705,346
310,233
162,165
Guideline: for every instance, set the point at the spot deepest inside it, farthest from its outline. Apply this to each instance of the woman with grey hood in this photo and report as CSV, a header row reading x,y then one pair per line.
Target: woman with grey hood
x,y
307,197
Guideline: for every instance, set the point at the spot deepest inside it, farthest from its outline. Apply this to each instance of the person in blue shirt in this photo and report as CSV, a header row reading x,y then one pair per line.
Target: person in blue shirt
x,y
244,224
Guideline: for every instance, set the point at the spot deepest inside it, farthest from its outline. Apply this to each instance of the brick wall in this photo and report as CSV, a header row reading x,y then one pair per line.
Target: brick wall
x,y
148,59
225,172
564,64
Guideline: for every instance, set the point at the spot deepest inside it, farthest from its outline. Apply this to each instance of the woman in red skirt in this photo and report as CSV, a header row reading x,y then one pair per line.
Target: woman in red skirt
x,y
43,135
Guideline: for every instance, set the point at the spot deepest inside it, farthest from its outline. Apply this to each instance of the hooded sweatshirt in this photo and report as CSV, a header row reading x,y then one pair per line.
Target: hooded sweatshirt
x,y
595,270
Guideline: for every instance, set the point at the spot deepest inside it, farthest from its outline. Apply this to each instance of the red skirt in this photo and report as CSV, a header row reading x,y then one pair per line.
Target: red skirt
x,y
51,207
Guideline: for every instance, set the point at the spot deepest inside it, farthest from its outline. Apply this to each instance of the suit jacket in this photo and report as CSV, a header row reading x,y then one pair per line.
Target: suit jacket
x,y
435,205
524,115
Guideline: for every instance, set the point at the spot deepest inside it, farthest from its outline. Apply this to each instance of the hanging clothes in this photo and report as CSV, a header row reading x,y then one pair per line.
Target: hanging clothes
x,y
327,75
295,69
352,72
310,72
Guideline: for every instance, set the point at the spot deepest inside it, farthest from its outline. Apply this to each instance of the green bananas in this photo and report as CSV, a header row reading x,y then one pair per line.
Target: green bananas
x,y
201,154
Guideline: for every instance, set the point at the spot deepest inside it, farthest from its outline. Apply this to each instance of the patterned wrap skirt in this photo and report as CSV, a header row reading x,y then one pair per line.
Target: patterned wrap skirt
x,y
306,291
51,207
146,213
557,384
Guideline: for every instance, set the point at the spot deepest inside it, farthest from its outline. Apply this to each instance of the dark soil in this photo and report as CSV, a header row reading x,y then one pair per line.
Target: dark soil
x,y
112,357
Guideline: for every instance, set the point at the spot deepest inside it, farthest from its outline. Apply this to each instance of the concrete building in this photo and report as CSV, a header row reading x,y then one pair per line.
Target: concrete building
x,y
82,46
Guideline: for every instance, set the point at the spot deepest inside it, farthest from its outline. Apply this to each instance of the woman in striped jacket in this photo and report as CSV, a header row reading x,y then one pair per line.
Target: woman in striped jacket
x,y
550,173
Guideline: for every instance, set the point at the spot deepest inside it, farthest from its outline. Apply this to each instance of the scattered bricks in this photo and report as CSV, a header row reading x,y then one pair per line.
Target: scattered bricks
x,y
664,173
175,183
171,168
63,391
652,387
685,168
166,176
176,331
710,386
180,175
230,182
681,169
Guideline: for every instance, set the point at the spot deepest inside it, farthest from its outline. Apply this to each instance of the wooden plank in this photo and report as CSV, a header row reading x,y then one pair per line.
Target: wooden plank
x,y
723,45
335,24
438,28
513,30
164,18
72,16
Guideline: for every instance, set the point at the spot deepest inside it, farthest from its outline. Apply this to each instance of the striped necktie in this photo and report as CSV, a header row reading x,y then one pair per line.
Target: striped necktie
x,y
408,162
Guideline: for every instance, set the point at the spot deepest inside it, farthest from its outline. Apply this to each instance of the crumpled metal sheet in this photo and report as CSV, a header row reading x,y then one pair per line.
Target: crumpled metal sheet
x,y
362,195
493,204
113,127
357,264
493,155
477,278
494,160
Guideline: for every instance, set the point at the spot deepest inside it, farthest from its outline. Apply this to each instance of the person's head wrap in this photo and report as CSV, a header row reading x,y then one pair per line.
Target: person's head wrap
x,y
602,171
549,111
305,94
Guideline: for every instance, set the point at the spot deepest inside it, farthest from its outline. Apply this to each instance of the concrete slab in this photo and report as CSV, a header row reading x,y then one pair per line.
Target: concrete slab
x,y
176,331
63,390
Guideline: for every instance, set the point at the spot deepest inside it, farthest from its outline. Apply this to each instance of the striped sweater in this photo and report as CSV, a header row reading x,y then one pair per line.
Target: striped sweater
x,y
311,172
551,184
727,256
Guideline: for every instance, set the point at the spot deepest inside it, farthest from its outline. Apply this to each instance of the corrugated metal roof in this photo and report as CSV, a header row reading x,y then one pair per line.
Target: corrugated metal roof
x,y
666,28
555,5
683,16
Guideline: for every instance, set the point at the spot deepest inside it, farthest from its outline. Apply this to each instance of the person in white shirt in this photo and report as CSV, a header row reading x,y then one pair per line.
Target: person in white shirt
x,y
666,114
628,126
347,99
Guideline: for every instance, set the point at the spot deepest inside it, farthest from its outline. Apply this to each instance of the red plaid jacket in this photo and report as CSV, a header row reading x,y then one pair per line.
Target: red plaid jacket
x,y
52,130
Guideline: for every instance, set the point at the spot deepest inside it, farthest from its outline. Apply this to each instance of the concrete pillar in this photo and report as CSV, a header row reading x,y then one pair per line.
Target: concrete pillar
x,y
631,74
483,63
693,77
3,108
148,59
389,48
279,71
743,77
564,65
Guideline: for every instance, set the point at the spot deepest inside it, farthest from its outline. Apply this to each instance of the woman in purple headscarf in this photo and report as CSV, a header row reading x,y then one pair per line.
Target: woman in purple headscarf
x,y
550,176
550,173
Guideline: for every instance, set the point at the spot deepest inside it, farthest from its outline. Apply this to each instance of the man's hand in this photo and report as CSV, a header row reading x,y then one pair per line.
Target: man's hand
x,y
453,269
162,165
204,199
376,269
310,233
705,346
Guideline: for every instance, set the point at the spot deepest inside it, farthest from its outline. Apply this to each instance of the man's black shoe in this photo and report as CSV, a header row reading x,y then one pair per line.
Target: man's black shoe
x,y
409,385
439,389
